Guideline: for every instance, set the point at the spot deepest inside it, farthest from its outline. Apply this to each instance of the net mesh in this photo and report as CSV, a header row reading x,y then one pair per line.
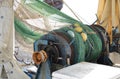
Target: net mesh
x,y
82,48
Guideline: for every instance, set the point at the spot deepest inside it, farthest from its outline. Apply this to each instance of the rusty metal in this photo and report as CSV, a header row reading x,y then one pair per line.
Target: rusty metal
x,y
58,49
40,57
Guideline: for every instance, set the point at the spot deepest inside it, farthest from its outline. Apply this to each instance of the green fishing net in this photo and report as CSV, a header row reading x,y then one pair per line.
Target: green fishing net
x,y
27,33
88,50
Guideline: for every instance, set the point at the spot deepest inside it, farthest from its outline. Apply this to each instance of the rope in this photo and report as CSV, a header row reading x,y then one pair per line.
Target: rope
x,y
72,11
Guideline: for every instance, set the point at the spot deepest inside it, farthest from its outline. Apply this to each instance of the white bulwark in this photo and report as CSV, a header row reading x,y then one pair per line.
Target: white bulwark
x,y
86,70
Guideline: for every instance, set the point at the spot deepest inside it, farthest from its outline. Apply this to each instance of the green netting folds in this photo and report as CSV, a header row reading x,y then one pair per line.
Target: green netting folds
x,y
44,9
88,50
25,31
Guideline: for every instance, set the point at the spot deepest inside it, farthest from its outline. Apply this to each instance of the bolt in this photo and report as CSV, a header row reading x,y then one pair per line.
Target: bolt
x,y
0,52
2,17
11,72
2,60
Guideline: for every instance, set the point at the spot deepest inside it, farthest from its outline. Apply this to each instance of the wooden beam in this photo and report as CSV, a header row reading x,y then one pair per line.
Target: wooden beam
x,y
8,66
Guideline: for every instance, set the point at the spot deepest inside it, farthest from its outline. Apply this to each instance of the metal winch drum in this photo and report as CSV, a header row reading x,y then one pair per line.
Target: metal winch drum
x,y
66,46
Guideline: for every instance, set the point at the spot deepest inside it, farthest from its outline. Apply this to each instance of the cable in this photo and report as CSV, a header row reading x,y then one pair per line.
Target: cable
x,y
72,11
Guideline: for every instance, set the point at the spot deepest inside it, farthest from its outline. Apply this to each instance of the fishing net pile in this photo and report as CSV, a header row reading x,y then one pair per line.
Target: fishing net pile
x,y
85,40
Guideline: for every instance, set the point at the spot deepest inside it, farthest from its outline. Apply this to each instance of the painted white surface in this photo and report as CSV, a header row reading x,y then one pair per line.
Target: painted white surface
x,y
86,70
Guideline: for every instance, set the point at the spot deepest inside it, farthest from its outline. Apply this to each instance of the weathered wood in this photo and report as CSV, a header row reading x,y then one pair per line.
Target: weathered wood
x,y
0,68
14,72
6,3
6,26
8,66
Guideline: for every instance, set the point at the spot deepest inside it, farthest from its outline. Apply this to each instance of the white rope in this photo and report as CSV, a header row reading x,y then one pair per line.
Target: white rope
x,y
72,11
75,14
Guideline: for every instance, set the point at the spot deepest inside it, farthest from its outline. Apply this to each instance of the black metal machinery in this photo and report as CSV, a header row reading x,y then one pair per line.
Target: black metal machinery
x,y
115,46
59,50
